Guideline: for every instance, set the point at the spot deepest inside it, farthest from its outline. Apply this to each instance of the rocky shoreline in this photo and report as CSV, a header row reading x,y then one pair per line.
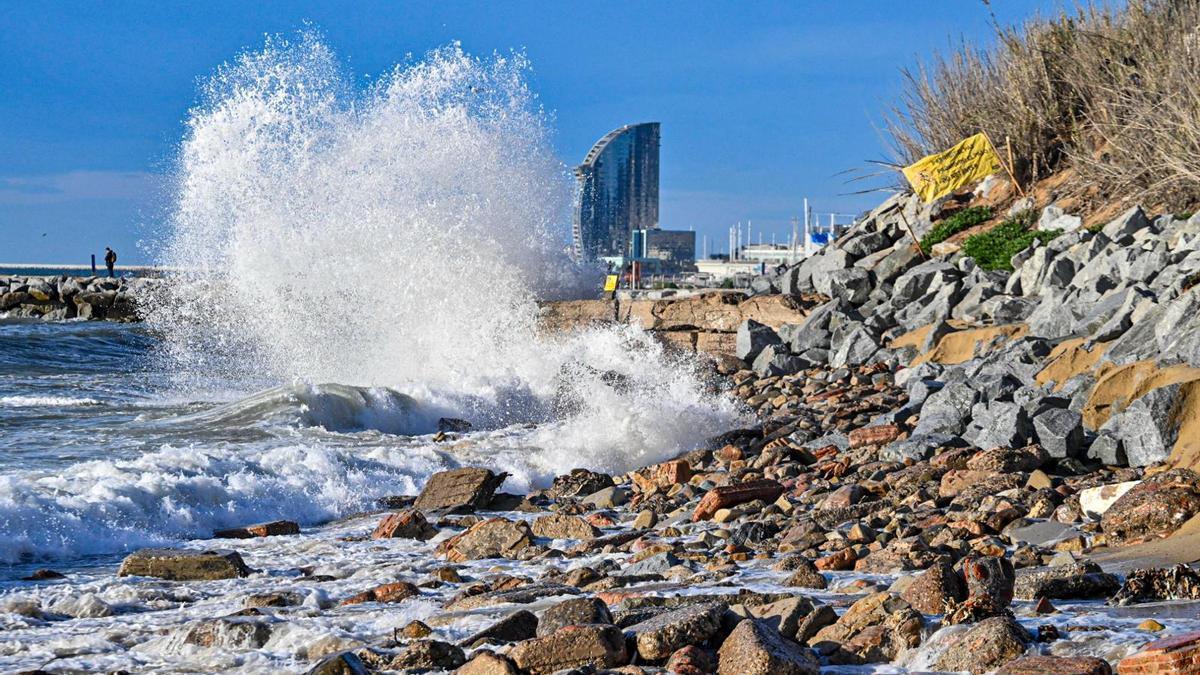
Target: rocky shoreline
x,y
953,470
68,297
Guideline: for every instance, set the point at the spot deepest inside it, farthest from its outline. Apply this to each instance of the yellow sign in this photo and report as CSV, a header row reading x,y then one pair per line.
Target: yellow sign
x,y
610,283
938,175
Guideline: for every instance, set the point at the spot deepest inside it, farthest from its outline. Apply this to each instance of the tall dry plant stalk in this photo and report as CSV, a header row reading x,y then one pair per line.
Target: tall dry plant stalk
x,y
1112,93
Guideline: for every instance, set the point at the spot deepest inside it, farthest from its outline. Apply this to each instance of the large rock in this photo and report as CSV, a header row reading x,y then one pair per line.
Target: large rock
x,y
272,529
754,648
1075,580
1059,432
562,526
657,637
465,489
230,632
934,589
1095,501
343,663
183,564
851,285
752,338
1124,226
796,618
1154,508
572,647
404,524
520,625
1056,665
492,538
573,612
1175,655
579,483
987,645
732,495
1147,427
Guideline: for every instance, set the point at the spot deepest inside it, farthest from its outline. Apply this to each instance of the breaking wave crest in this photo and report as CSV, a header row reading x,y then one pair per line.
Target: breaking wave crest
x,y
353,264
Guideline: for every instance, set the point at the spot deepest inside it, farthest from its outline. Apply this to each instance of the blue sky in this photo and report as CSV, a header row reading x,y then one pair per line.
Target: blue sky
x,y
762,103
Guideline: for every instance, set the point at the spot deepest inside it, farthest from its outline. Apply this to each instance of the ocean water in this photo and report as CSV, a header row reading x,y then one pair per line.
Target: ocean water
x,y
352,263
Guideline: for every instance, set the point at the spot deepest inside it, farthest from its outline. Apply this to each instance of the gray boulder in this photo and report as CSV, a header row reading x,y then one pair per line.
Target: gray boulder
x,y
1060,432
1123,227
752,338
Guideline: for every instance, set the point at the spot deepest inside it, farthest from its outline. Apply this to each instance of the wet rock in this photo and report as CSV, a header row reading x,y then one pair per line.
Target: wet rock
x,y
271,529
415,630
345,663
733,495
404,524
579,483
521,595
1174,655
797,618
559,526
44,575
573,612
520,625
1152,584
572,647
429,655
1076,580
692,661
465,489
987,645
386,593
183,564
806,575
658,637
1056,665
989,589
488,663
934,589
754,648
275,599
229,633
492,538
656,564
872,610
607,498
1154,508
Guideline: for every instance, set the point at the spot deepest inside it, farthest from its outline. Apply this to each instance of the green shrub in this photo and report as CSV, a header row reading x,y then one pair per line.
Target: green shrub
x,y
994,249
944,229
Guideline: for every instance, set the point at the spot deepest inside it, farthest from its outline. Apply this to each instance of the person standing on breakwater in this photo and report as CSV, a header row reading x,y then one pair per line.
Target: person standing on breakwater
x,y
110,259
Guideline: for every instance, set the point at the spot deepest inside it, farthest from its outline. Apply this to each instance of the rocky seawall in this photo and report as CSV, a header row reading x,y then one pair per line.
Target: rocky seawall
x,y
953,470
68,297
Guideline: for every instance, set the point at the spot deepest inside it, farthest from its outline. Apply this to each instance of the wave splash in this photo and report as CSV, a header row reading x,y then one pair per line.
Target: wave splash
x,y
356,263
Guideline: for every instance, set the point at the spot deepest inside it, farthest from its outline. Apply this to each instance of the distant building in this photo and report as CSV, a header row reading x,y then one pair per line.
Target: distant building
x,y
618,192
674,250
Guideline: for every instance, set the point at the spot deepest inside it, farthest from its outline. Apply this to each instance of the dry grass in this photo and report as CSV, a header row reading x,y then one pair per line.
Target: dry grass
x,y
1112,94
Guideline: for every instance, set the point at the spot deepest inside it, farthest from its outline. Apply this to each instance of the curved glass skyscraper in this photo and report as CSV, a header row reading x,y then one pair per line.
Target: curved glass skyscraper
x,y
618,191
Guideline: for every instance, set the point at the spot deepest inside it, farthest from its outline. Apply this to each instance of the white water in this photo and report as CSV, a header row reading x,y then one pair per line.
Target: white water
x,y
361,262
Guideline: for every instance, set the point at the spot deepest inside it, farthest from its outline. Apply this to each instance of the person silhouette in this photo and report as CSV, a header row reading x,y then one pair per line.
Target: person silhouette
x,y
110,260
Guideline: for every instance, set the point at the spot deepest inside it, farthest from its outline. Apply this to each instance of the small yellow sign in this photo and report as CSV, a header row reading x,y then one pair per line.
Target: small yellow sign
x,y
610,283
939,175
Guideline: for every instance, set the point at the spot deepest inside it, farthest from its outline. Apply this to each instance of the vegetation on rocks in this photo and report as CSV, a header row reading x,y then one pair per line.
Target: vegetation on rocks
x,y
1108,91
994,249
962,220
